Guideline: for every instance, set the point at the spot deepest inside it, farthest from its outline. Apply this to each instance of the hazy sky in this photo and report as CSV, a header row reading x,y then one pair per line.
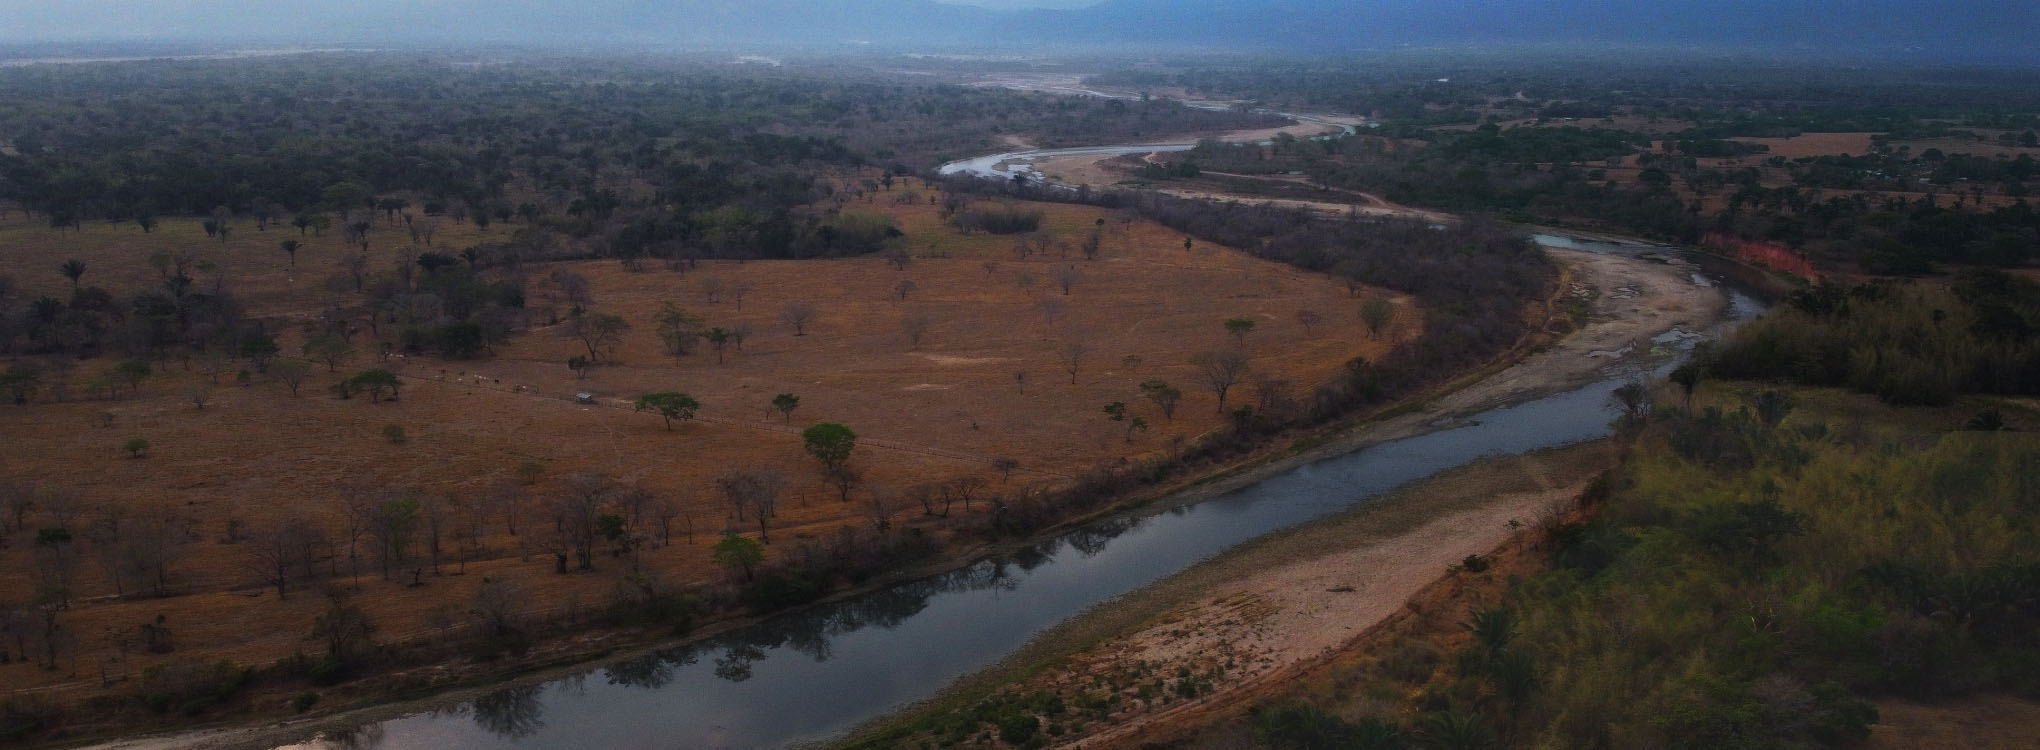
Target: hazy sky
x,y
1017,4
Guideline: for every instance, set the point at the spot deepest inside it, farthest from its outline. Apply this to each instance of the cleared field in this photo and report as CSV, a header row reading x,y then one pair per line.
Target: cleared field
x,y
1812,144
941,409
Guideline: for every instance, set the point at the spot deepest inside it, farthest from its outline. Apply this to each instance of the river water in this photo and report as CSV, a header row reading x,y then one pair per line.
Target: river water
x,y
812,675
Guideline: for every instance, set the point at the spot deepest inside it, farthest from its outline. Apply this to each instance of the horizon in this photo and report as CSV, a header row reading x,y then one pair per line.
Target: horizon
x,y
1909,31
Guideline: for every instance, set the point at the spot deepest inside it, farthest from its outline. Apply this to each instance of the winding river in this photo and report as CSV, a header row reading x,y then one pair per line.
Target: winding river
x,y
810,676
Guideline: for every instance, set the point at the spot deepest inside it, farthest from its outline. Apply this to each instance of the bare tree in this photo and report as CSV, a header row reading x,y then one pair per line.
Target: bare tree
x,y
1065,278
798,315
1272,391
844,479
497,605
875,509
17,498
1051,309
711,288
1072,356
506,498
1309,319
961,490
755,489
155,542
573,289
575,515
1220,371
664,511
281,552
62,506
916,327
898,258
737,291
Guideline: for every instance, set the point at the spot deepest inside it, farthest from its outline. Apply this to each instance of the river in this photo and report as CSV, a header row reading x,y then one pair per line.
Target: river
x,y
810,676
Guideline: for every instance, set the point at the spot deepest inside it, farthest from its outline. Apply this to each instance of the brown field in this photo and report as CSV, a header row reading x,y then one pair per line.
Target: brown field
x,y
1984,722
1813,144
257,455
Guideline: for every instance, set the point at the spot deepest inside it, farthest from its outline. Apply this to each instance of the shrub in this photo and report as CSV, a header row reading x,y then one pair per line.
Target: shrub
x,y
190,686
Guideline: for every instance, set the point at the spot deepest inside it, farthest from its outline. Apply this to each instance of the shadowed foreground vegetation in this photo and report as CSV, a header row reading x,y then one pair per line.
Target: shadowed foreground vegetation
x,y
1764,565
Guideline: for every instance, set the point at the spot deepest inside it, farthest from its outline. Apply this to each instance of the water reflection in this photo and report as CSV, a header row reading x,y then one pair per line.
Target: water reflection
x,y
512,713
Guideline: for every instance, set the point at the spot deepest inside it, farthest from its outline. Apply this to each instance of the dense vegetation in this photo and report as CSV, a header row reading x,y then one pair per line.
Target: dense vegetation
x,y
1763,565
1546,145
626,154
1906,344
675,161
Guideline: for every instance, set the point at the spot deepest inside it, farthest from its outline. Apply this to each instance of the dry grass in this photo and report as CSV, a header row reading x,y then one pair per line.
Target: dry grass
x,y
1813,144
943,410
1987,722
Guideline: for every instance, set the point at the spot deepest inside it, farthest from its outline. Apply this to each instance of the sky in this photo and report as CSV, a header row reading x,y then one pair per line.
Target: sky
x,y
1025,4
1866,29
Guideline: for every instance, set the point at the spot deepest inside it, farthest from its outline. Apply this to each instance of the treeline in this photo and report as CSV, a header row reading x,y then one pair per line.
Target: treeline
x,y
1750,577
593,140
1473,277
1884,234
1729,98
1907,344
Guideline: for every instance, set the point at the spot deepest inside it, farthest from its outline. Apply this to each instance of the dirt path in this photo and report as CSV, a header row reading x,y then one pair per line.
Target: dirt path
x,y
1260,615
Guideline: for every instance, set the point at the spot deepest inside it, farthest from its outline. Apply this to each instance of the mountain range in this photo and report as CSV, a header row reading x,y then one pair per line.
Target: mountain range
x,y
1977,29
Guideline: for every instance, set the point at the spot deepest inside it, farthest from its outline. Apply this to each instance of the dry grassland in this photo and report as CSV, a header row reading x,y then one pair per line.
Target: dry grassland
x,y
944,409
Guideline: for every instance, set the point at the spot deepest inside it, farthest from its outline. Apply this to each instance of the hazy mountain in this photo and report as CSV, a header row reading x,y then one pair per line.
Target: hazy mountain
x,y
1869,28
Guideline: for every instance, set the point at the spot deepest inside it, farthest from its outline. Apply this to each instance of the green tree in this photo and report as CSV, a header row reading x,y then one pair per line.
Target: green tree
x,y
1163,395
136,447
21,382
1239,328
669,404
74,270
1377,313
331,349
719,339
376,382
344,196
830,443
785,403
131,373
1688,377
259,349
290,248
599,332
738,554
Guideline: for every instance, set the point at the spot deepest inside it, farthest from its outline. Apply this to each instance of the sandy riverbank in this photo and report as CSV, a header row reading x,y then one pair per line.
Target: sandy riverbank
x,y
1278,606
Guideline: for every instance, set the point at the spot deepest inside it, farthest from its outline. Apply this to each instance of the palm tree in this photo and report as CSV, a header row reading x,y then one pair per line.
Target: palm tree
x,y
73,269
